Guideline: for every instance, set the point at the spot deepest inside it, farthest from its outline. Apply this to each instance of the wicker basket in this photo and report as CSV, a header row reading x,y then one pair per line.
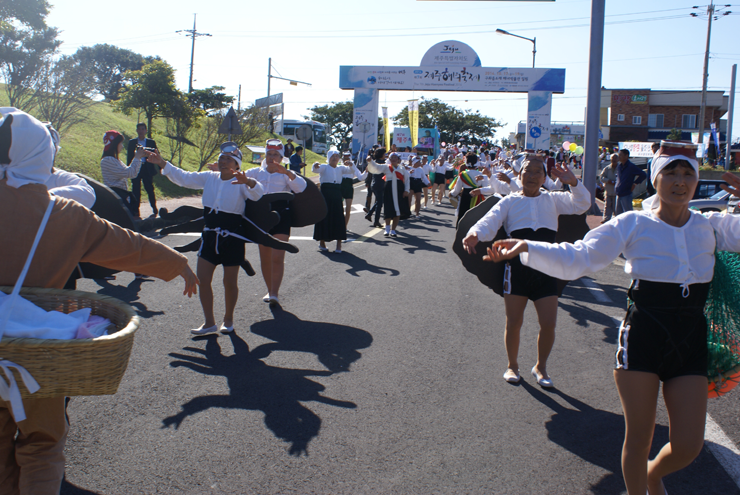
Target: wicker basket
x,y
79,366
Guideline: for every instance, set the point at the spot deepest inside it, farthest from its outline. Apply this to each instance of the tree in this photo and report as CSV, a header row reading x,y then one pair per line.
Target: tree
x,y
153,92
210,99
453,124
64,90
31,13
181,120
338,118
23,54
674,135
108,65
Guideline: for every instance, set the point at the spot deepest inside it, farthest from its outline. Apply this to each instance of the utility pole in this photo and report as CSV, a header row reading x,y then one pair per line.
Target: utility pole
x,y
705,76
730,116
269,74
712,14
239,100
192,33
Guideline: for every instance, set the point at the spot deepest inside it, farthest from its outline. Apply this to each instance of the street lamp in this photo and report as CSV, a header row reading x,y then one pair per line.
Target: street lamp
x,y
533,40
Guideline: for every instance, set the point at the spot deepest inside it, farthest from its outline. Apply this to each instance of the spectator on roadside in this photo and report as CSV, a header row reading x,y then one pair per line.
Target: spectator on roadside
x,y
628,176
115,172
289,148
296,162
609,179
650,189
550,162
146,172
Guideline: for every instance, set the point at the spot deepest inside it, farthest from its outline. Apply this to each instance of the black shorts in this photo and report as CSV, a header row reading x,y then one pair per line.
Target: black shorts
x,y
664,333
286,220
348,188
439,178
520,280
221,250
449,174
416,185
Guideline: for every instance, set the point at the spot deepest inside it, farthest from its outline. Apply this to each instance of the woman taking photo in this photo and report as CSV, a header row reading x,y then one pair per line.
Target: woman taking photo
x,y
669,251
223,209
116,173
274,178
531,213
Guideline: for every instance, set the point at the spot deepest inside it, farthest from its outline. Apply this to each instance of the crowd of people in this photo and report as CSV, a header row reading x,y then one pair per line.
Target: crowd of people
x,y
669,252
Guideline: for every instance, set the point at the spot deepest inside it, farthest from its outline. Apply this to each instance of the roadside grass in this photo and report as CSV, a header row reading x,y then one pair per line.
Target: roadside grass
x,y
82,146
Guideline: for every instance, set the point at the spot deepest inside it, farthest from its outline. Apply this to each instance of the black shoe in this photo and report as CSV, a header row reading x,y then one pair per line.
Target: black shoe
x,y
369,218
377,225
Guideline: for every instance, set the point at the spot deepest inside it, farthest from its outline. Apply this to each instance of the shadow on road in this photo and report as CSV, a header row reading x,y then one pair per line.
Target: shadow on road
x,y
583,316
128,294
277,392
70,489
596,436
357,264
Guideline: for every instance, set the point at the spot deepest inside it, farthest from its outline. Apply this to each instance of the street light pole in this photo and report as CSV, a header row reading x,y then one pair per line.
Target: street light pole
x,y
705,76
533,40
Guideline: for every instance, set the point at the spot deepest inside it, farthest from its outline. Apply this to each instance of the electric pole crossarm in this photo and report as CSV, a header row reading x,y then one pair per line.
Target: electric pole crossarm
x,y
192,33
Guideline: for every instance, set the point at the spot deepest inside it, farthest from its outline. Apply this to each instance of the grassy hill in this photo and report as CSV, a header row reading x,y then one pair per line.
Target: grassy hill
x,y
82,146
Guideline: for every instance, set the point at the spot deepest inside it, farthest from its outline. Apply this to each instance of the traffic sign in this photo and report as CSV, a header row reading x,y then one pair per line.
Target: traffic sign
x,y
230,125
304,132
535,132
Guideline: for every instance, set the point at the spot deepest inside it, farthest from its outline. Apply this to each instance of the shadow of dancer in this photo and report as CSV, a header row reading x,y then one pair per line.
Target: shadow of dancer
x,y
254,385
128,294
357,264
335,346
596,436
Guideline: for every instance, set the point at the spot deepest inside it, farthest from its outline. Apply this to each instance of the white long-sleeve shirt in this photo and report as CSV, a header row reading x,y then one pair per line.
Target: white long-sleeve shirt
x,y
353,172
517,211
276,182
444,167
219,195
331,175
389,176
115,172
71,186
654,250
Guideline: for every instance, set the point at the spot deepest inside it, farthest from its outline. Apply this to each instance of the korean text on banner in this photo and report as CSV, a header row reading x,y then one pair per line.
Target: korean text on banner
x,y
387,128
414,121
637,149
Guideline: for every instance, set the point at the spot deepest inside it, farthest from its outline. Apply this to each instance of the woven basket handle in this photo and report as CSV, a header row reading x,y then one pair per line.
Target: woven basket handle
x,y
7,307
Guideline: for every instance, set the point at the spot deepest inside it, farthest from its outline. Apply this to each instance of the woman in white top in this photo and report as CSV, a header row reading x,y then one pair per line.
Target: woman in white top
x,y
670,256
530,214
348,184
223,209
332,227
274,178
418,182
440,178
115,172
428,168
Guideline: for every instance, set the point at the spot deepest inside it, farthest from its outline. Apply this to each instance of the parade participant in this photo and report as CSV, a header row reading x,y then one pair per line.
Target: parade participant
x,y
377,162
274,178
428,170
531,214
116,173
464,184
32,450
348,184
397,187
417,182
64,184
223,207
670,256
332,227
441,169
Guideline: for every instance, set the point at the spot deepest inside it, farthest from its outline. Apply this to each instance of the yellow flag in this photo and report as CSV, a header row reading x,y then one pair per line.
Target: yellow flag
x,y
414,121
387,137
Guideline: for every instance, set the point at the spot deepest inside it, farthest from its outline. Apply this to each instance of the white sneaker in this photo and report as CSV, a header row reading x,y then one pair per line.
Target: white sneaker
x,y
393,233
226,329
274,301
204,330
266,298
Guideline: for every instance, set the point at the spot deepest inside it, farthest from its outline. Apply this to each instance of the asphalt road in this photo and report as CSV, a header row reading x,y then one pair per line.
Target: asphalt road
x,y
381,373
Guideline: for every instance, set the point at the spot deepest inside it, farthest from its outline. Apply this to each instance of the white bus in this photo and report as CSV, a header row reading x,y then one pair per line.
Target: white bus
x,y
317,143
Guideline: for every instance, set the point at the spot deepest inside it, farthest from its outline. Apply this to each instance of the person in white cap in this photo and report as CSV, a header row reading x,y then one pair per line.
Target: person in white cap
x,y
275,178
223,204
348,184
32,449
670,256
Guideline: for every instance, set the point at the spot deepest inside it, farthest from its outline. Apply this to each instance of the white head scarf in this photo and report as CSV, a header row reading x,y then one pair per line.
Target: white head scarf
x,y
330,154
671,151
26,148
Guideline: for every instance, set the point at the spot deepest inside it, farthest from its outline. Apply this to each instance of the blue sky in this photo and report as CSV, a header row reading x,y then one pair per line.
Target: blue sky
x,y
655,45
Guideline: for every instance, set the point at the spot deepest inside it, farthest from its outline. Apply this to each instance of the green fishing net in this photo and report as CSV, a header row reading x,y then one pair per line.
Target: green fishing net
x,y
723,319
